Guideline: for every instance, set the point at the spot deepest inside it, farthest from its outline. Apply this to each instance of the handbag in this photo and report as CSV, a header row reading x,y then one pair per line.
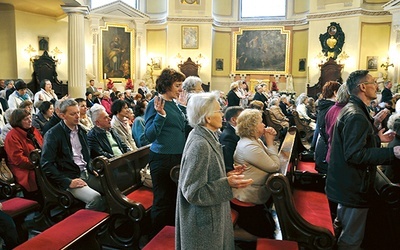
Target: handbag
x,y
5,173
146,176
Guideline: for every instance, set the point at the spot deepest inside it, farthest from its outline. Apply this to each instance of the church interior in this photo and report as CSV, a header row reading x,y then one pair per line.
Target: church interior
x,y
292,52
159,34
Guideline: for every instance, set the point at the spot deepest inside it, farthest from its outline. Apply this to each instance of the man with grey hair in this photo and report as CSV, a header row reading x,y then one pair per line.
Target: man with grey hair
x,y
66,158
259,95
355,154
102,139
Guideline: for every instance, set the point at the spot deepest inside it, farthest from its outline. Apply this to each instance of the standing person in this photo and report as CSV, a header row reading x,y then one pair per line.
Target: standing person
x,y
329,93
259,96
120,123
229,138
260,162
66,159
91,89
355,154
165,129
387,93
19,143
234,96
46,93
143,89
204,189
107,102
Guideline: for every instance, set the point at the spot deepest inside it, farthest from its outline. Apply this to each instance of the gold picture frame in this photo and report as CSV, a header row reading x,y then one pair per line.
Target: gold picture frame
x,y
372,63
190,37
261,51
116,52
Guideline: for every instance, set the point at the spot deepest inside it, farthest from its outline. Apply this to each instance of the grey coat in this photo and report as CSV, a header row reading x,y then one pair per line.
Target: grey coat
x,y
203,215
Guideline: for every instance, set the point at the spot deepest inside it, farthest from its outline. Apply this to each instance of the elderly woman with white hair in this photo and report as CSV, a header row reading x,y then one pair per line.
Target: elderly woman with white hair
x,y
204,189
302,110
234,95
192,84
393,171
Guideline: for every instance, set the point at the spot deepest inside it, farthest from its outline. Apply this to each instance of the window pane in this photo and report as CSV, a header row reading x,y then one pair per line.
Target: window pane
x,y
263,8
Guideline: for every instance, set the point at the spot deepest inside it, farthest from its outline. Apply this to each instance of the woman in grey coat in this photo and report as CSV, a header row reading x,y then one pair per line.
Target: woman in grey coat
x,y
203,217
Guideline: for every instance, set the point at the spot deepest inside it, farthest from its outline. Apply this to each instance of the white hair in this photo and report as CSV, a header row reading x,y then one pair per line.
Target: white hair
x,y
189,85
200,106
95,111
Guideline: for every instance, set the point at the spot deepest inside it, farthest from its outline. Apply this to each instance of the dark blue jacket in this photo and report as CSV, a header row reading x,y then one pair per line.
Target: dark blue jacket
x,y
99,144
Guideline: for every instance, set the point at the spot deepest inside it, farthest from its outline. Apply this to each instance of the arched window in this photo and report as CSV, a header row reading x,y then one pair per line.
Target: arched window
x,y
263,9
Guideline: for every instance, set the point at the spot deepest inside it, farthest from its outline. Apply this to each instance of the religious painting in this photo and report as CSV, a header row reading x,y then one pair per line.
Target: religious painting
x,y
116,52
261,51
219,64
190,37
43,43
372,63
157,63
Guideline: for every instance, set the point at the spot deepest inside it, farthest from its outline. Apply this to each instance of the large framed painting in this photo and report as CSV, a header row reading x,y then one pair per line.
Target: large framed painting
x,y
116,52
261,51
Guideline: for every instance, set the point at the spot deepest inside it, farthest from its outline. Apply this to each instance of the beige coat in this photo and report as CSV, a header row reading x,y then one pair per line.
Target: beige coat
x,y
278,117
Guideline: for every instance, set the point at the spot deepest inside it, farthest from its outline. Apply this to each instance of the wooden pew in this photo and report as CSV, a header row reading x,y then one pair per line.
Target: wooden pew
x,y
78,231
304,129
54,198
278,128
304,216
383,221
128,200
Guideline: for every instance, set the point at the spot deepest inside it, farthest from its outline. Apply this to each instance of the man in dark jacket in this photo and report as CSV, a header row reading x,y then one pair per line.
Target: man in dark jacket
x,y
228,138
66,159
355,154
102,139
259,95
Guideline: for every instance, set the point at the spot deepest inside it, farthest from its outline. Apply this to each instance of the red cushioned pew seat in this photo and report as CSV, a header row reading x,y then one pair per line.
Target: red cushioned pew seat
x,y
269,244
314,208
144,195
68,231
19,206
306,166
164,240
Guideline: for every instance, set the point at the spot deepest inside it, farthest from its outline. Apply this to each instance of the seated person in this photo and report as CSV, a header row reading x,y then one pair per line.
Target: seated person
x,y
8,230
311,108
277,115
228,138
102,139
84,120
19,143
119,122
66,158
46,111
302,110
28,105
138,124
260,161
284,105
7,127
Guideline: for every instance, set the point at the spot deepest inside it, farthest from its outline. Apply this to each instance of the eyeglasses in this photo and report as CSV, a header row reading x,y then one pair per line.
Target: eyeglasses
x,y
366,83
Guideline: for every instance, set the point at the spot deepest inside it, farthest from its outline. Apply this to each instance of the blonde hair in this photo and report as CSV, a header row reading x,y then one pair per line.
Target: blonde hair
x,y
247,122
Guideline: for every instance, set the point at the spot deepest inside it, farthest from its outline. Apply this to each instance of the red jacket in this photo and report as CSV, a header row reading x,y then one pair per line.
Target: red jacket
x,y
107,105
18,146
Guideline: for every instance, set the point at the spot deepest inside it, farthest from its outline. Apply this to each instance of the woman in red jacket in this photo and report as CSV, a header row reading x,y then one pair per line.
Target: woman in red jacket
x,y
19,142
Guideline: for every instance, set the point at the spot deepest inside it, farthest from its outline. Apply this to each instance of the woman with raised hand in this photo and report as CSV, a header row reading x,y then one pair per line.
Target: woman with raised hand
x,y
165,129
203,214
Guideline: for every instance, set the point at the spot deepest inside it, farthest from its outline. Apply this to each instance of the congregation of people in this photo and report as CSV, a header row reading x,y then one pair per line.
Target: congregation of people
x,y
223,145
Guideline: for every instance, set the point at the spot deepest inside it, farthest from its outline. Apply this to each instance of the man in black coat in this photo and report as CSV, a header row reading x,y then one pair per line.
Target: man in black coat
x,y
65,158
259,95
228,138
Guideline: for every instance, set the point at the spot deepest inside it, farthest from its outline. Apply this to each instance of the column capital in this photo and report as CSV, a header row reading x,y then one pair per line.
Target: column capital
x,y
76,9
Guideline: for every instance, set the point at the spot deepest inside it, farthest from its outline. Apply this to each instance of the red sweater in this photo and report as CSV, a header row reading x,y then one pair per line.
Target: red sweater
x,y
18,146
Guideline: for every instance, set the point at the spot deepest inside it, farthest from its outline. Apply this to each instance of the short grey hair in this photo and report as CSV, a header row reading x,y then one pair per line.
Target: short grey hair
x,y
200,106
342,95
274,101
394,123
67,103
189,85
95,111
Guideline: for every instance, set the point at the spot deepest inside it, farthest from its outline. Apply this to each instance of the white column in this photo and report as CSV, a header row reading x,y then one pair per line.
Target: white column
x,y
76,50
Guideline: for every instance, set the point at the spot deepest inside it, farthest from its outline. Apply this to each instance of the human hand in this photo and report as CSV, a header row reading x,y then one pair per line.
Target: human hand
x,y
159,103
269,135
183,96
77,183
386,137
378,118
238,181
238,169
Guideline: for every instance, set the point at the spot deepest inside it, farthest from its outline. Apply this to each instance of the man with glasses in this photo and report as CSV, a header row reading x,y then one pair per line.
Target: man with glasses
x,y
355,154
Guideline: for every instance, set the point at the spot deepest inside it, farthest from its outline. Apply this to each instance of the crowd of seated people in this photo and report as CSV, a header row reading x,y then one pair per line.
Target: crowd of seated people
x,y
71,133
